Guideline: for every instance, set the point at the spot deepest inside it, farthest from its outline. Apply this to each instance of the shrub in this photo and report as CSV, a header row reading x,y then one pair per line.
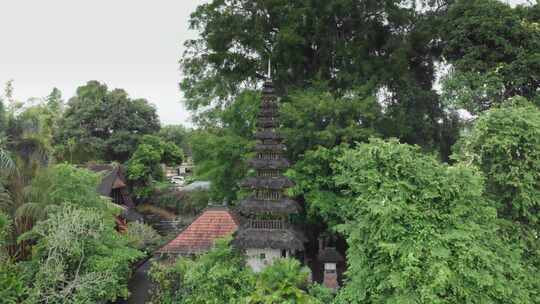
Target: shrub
x,y
13,283
142,236
78,258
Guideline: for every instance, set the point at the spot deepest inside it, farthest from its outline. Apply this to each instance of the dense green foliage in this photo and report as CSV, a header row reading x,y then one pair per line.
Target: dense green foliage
x,y
13,287
176,134
63,183
422,232
285,281
182,203
61,246
56,185
314,117
3,117
221,152
102,124
505,145
221,276
218,276
346,70
143,237
144,167
493,50
221,159
30,129
421,224
5,226
313,176
13,283
79,258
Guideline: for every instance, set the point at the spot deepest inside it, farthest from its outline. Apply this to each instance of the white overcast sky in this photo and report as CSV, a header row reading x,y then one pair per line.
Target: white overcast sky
x,y
129,44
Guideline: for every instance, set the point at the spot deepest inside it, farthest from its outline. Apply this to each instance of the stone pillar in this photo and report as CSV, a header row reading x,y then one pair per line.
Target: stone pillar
x,y
330,276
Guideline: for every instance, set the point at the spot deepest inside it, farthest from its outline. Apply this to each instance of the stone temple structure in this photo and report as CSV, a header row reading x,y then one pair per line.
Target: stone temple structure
x,y
266,232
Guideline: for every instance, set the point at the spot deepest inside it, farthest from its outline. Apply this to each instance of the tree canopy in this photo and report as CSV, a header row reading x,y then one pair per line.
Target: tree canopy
x,y
421,232
384,47
105,124
491,47
144,167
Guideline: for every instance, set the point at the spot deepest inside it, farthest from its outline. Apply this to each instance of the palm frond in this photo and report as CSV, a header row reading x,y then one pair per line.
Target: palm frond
x,y
6,162
31,211
6,201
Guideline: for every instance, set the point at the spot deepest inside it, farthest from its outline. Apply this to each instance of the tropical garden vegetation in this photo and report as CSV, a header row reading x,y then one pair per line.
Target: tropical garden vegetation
x,y
413,128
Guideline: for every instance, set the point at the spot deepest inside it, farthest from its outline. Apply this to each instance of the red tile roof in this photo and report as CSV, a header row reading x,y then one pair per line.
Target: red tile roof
x,y
199,237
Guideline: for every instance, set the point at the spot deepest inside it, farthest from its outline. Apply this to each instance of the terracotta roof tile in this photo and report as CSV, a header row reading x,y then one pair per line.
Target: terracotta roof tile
x,y
212,224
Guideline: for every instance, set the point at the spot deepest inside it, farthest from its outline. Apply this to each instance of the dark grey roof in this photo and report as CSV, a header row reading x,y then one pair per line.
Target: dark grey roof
x,y
269,104
252,205
270,147
264,122
268,113
258,163
267,134
275,183
330,255
268,238
109,172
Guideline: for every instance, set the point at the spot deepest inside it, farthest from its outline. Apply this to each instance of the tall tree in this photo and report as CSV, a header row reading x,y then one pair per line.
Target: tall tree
x,y
3,117
492,48
177,134
385,45
315,118
505,145
420,231
144,167
105,124
221,148
54,101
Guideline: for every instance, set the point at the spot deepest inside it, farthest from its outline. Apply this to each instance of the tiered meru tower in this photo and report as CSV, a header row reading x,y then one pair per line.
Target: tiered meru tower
x,y
266,233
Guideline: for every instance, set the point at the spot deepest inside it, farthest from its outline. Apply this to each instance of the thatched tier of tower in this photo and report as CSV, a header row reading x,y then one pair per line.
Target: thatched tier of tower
x,y
274,183
270,148
259,163
268,238
268,113
268,134
251,206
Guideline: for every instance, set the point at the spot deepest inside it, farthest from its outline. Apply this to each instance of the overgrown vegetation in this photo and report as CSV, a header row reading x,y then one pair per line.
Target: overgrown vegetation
x,y
144,167
77,256
221,276
432,184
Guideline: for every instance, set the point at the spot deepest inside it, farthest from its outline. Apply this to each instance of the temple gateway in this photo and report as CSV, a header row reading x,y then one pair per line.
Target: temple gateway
x,y
266,232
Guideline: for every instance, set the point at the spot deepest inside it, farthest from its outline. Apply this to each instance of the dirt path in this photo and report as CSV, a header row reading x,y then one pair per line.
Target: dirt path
x,y
140,285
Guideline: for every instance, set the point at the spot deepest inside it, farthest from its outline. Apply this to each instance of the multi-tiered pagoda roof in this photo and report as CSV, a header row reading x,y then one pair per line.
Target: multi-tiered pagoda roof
x,y
268,208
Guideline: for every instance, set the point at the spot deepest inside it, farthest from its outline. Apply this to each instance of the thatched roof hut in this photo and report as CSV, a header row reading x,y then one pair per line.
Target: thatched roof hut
x,y
113,183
